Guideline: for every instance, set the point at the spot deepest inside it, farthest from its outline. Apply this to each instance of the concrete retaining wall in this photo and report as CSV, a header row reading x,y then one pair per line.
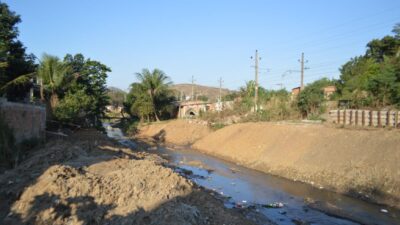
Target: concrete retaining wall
x,y
27,121
355,117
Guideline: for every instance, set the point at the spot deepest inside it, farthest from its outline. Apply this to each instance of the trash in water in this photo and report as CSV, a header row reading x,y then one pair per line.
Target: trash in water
x,y
384,210
274,205
244,201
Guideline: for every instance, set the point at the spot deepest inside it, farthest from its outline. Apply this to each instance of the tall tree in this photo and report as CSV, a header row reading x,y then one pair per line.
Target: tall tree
x,y
89,78
53,74
13,58
155,83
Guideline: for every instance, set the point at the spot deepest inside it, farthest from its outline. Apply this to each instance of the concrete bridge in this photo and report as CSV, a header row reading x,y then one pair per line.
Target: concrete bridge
x,y
193,108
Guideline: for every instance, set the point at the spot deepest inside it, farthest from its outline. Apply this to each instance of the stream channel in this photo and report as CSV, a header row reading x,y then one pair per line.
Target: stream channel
x,y
241,187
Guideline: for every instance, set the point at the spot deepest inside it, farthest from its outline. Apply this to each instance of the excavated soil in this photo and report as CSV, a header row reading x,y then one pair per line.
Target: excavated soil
x,y
88,179
181,132
361,163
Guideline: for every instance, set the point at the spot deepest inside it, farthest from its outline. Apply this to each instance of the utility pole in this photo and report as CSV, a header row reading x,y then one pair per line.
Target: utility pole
x,y
256,58
220,89
192,97
302,62
302,71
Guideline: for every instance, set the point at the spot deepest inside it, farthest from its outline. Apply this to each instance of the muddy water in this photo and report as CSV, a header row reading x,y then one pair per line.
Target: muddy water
x,y
244,187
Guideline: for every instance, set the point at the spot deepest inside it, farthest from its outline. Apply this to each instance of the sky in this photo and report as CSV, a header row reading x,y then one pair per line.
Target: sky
x,y
208,39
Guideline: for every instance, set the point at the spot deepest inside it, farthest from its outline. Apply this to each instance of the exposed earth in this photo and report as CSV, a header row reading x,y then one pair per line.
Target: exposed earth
x,y
360,163
89,179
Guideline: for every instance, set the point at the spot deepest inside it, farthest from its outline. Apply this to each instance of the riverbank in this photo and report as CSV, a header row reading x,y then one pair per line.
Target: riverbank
x,y
360,163
87,178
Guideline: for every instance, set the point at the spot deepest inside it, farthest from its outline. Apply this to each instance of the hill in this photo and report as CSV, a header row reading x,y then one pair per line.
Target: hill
x,y
211,93
116,95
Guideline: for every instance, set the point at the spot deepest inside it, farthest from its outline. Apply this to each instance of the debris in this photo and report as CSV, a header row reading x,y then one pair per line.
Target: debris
x,y
384,210
274,205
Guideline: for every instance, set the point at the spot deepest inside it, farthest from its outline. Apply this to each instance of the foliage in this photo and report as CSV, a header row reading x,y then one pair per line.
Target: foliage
x,y
202,98
13,59
217,126
231,96
310,100
75,88
373,80
151,98
75,107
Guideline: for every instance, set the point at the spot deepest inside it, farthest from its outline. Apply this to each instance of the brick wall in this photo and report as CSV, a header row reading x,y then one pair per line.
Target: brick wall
x,y
27,121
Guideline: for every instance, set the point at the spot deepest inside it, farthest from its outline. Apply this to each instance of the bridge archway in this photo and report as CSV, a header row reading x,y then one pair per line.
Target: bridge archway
x,y
191,112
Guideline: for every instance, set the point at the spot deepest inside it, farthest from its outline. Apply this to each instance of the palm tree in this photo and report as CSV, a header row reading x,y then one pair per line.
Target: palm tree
x,y
154,83
18,81
53,76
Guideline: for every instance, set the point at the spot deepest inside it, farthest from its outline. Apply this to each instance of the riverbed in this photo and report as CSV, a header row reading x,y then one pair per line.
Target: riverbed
x,y
282,201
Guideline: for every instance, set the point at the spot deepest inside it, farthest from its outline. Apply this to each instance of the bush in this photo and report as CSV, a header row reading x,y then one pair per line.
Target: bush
x,y
217,126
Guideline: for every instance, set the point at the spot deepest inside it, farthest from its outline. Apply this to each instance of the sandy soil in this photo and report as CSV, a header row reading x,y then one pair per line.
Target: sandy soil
x,y
87,179
181,132
362,163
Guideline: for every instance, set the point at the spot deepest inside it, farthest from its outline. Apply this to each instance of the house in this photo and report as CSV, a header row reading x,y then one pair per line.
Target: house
x,y
295,92
329,91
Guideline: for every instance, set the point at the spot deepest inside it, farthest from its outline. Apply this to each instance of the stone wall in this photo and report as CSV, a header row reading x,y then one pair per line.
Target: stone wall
x,y
27,121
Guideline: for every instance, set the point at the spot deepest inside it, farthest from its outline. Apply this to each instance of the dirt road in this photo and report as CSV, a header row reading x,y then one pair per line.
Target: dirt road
x,y
88,179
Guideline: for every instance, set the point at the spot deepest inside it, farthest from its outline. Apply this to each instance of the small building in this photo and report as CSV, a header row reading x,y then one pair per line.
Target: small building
x,y
295,92
329,91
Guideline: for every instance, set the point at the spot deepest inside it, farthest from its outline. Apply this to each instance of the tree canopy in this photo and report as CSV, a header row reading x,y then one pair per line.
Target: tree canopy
x,y
151,97
373,79
14,62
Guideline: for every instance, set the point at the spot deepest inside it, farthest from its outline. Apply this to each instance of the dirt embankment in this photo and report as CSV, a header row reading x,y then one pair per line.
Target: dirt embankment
x,y
361,163
180,132
87,179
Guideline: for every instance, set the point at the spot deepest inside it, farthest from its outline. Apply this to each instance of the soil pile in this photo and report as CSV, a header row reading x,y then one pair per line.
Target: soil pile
x,y
363,163
88,179
181,132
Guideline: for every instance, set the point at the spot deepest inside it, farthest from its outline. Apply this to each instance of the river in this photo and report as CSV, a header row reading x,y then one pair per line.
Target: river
x,y
243,187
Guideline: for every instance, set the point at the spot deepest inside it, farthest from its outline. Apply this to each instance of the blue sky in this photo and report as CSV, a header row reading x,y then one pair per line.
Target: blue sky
x,y
207,39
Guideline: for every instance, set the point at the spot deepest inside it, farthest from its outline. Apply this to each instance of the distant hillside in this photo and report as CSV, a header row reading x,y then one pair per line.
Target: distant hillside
x,y
116,95
211,93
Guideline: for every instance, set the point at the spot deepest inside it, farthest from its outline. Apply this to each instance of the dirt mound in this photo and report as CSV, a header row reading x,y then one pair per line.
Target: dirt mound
x,y
357,162
181,132
88,179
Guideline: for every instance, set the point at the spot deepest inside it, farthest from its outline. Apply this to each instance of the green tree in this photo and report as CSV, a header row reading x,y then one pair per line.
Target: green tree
x,y
155,83
15,63
54,75
310,100
89,77
74,107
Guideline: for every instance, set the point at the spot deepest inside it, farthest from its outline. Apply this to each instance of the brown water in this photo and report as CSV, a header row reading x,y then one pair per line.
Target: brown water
x,y
252,188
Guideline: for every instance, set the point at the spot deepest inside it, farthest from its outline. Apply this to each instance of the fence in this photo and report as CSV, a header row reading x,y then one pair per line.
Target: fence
x,y
371,118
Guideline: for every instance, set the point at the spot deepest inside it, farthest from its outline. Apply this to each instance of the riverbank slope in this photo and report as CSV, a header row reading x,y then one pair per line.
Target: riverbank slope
x,y
362,163
87,178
